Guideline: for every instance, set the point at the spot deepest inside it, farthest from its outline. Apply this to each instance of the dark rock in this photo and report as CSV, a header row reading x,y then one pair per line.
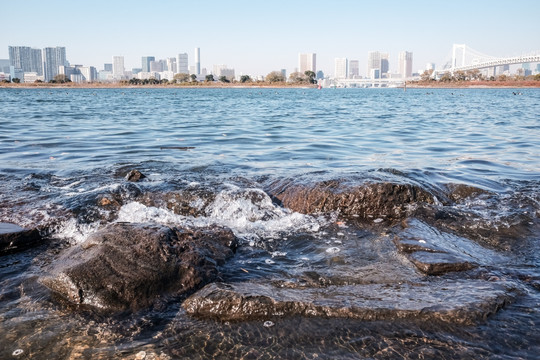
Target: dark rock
x,y
457,301
367,201
460,192
126,266
14,238
135,175
436,252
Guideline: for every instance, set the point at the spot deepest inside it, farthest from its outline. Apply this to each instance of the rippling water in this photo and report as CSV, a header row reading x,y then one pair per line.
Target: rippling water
x,y
224,150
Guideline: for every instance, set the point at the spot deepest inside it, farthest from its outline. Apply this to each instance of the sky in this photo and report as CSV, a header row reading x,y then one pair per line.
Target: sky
x,y
259,36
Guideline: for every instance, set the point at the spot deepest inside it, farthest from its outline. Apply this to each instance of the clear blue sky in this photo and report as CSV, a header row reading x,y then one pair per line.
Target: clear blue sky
x,y
258,36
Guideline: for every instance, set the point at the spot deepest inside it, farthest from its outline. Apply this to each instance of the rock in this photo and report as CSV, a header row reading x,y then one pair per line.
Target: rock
x,y
456,301
367,201
14,238
126,266
135,175
436,252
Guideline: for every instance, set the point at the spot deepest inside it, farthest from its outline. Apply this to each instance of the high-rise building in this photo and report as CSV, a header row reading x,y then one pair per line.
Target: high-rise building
x,y
53,59
145,63
385,64
118,67
172,65
182,63
354,69
107,67
155,66
4,66
374,63
341,68
307,61
405,64
198,60
26,59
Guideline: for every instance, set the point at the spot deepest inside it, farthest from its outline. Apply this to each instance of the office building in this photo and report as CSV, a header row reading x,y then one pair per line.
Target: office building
x,y
354,69
198,61
307,62
118,67
107,67
145,63
405,64
26,59
341,68
155,66
182,63
53,59
377,61
171,65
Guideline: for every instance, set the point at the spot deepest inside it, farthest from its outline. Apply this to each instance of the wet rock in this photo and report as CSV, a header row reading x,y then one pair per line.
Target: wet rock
x,y
457,301
187,202
134,176
460,192
436,252
367,201
14,238
126,266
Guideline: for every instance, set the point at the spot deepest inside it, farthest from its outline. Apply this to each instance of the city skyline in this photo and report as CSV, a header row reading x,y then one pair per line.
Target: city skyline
x,y
257,39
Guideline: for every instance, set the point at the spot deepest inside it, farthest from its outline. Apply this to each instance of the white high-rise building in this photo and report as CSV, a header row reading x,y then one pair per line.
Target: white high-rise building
x,y
198,60
307,61
53,58
171,65
341,68
182,63
405,64
118,67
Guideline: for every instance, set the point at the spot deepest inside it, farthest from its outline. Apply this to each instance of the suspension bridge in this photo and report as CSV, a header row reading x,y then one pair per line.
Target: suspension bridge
x,y
464,58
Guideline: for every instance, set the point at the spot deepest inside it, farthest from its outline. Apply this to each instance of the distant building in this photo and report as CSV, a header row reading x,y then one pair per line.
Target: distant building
x,y
171,65
354,69
53,59
198,61
31,77
284,73
377,61
107,67
145,63
320,75
307,62
341,68
223,70
26,59
4,66
405,64
118,67
155,66
182,63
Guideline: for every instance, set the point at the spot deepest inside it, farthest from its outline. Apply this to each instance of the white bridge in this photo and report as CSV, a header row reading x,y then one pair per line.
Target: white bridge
x,y
464,58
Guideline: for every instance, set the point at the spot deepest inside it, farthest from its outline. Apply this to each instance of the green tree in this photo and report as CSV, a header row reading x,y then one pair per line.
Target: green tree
x,y
209,78
224,79
193,77
16,80
245,78
311,76
275,76
181,77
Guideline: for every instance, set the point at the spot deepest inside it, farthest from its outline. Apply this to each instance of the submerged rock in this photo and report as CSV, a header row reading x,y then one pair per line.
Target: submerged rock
x,y
126,266
436,252
367,201
135,175
14,238
457,301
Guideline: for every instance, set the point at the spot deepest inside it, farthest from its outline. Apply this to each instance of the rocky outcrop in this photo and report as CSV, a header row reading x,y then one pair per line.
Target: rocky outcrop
x,y
457,301
14,238
367,201
126,266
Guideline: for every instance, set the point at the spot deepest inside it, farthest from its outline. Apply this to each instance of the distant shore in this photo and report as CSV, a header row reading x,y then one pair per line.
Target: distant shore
x,y
219,85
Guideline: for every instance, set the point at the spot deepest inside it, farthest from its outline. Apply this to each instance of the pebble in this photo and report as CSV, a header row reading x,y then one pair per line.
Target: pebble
x,y
378,220
268,324
17,352
333,250
140,355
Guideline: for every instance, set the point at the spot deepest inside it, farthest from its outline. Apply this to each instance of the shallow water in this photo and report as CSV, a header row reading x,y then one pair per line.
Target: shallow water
x,y
63,150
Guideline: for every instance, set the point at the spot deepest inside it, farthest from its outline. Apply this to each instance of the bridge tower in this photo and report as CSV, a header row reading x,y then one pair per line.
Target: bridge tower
x,y
455,49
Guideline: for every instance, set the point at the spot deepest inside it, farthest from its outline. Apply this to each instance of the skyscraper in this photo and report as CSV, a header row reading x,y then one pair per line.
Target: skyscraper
x,y
354,69
26,59
182,63
377,61
118,67
198,60
405,64
307,61
53,59
341,68
145,63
